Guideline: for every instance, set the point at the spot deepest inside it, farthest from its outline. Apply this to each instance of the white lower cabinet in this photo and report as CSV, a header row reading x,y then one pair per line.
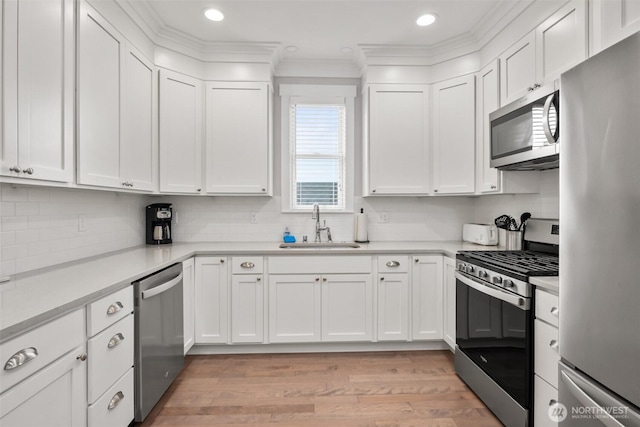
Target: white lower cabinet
x,y
545,396
116,406
427,300
55,395
294,308
393,307
247,308
188,301
546,357
211,300
450,302
347,307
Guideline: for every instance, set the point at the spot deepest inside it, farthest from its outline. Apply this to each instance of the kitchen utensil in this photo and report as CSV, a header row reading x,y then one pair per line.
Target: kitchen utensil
x,y
523,219
502,222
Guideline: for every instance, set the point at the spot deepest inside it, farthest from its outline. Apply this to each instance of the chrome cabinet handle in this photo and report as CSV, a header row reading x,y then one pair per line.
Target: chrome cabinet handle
x,y
393,264
258,279
324,279
115,340
554,311
221,261
20,358
15,169
553,402
115,400
317,279
114,308
82,357
416,260
247,264
494,187
28,171
553,344
382,279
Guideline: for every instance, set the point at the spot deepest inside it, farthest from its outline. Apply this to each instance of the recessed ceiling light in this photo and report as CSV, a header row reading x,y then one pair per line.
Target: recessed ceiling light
x,y
291,49
426,19
214,15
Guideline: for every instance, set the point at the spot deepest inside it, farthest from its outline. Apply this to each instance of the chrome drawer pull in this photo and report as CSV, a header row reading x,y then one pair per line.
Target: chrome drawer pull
x,y
247,264
393,264
554,311
20,358
115,340
115,400
554,345
114,308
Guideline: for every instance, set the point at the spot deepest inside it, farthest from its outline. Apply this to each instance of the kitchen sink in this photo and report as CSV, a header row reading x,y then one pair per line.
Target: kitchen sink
x,y
321,245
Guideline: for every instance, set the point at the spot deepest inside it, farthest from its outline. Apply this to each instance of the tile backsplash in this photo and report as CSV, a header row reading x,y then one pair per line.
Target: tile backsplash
x,y
40,226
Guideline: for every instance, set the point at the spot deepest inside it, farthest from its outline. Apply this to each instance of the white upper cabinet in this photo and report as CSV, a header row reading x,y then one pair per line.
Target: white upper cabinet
x,y
117,109
454,136
180,133
37,78
238,138
100,59
487,101
396,140
556,45
613,20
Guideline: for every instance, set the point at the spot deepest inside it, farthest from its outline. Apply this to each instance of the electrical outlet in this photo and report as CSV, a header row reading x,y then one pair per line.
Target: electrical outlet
x,y
383,217
82,223
253,218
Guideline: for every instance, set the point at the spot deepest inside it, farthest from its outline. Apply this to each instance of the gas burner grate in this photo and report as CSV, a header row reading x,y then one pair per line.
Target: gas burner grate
x,y
524,262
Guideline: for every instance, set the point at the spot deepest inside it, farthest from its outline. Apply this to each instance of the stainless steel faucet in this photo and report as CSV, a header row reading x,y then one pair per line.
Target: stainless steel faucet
x,y
316,215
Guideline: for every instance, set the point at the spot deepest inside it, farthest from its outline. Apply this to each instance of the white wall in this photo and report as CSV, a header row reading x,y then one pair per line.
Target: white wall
x,y
39,225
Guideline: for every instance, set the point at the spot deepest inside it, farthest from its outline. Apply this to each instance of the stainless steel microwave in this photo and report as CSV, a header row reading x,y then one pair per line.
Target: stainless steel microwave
x,y
524,133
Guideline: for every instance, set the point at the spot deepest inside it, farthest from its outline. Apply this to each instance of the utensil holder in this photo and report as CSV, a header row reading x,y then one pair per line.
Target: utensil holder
x,y
514,240
502,238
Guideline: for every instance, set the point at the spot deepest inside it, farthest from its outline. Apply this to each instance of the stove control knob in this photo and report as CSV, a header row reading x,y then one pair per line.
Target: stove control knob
x,y
470,269
482,274
497,280
508,283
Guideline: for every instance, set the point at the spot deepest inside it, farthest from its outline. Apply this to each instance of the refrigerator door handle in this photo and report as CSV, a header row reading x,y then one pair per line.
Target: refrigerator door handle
x,y
597,399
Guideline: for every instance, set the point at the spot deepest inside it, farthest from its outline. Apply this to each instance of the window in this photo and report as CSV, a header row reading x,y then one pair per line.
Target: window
x,y
317,149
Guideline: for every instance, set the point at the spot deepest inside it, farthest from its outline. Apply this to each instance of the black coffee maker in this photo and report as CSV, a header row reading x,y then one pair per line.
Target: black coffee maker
x,y
159,224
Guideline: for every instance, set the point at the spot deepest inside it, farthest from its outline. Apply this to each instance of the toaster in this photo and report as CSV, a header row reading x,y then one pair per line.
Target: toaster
x,y
481,234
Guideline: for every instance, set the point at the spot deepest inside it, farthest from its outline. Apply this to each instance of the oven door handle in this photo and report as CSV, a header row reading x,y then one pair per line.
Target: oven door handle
x,y
495,292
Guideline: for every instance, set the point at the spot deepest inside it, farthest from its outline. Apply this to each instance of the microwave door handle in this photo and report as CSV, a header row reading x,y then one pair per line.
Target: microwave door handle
x,y
491,291
545,119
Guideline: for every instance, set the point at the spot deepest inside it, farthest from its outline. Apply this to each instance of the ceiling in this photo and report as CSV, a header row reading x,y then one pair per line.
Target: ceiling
x,y
335,30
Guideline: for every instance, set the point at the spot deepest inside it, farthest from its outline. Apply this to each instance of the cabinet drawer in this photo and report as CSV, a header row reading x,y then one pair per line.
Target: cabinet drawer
x,y
544,396
37,348
319,264
115,407
108,310
247,265
393,264
546,352
547,306
110,355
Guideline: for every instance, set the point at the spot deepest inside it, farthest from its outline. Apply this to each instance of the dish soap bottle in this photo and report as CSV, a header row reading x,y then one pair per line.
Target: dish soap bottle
x,y
287,237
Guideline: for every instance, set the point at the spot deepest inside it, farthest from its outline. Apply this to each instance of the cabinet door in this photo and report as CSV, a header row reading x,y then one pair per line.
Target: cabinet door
x,y
561,41
398,150
247,308
454,136
39,82
393,307
450,302
426,283
545,397
238,138
100,59
188,300
294,308
55,395
613,20
487,101
139,136
518,69
347,307
211,301
180,119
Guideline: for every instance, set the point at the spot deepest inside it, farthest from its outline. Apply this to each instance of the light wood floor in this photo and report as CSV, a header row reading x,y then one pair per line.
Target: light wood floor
x,y
381,389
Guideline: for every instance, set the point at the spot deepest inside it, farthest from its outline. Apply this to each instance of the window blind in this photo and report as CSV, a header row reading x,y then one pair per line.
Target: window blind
x,y
318,138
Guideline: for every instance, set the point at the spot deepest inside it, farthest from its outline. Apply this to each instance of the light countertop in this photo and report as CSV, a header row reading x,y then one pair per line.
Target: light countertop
x,y
32,298
546,283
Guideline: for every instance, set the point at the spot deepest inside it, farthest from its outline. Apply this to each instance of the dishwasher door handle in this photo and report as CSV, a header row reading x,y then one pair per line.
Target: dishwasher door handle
x,y
161,288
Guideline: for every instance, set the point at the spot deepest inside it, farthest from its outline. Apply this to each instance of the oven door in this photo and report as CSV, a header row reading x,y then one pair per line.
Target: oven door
x,y
494,329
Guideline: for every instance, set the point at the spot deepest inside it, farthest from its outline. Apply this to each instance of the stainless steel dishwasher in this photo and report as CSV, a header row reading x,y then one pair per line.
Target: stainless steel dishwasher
x,y
159,349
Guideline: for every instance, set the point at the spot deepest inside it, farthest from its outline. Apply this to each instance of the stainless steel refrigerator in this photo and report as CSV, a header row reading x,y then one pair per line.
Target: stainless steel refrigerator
x,y
599,374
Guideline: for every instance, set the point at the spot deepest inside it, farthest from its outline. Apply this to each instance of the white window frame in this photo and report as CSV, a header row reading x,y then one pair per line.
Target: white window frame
x,y
317,94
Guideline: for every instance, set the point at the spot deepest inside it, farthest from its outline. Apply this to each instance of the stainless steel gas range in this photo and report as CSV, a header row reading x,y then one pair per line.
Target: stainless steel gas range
x,y
494,320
